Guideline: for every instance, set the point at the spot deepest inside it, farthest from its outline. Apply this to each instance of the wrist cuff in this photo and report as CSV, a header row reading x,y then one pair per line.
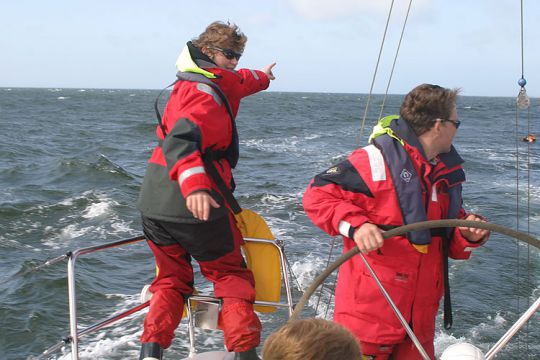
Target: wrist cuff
x,y
352,229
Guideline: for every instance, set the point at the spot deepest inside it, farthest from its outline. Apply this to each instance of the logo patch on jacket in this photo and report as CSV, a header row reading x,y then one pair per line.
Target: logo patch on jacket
x,y
405,175
333,171
401,277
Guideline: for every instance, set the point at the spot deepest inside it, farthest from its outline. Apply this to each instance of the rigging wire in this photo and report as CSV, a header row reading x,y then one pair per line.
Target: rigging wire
x,y
360,135
395,59
522,47
374,75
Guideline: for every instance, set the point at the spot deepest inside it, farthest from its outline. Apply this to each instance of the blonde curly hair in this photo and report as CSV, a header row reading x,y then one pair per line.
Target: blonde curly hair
x,y
221,35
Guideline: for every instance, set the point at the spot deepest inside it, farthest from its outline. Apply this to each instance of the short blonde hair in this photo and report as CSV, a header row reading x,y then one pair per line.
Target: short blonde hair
x,y
311,339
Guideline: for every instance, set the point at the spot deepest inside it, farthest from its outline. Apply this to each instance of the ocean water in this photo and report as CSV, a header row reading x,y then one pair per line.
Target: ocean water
x,y
73,161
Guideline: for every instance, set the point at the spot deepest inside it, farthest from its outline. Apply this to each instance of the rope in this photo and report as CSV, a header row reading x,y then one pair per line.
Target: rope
x,y
528,219
523,102
330,298
395,59
374,75
292,274
402,230
518,257
322,287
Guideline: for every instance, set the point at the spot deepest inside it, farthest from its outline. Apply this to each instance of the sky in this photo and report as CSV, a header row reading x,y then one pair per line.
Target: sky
x,y
319,45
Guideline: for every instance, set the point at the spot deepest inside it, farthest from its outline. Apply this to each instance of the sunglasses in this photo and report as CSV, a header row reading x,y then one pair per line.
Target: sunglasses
x,y
455,122
228,53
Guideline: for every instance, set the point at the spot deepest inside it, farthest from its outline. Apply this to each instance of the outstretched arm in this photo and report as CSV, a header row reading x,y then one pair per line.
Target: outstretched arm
x,y
268,71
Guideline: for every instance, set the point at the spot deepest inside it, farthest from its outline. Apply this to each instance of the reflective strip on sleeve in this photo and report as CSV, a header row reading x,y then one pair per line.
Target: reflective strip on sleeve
x,y
254,73
434,193
344,228
208,89
187,173
376,161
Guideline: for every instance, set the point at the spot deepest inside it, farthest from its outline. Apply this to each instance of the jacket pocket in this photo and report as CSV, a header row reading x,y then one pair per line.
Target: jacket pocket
x,y
399,281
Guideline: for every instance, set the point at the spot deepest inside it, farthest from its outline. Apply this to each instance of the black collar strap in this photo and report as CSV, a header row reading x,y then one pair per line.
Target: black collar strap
x,y
200,58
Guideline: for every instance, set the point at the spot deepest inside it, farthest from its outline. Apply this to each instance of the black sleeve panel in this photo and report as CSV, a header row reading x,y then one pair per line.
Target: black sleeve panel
x,y
181,141
345,176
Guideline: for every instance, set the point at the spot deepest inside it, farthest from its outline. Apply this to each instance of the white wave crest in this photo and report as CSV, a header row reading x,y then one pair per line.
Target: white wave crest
x,y
96,210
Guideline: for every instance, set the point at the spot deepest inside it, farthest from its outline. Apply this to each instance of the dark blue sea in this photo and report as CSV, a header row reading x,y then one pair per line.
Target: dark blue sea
x,y
73,162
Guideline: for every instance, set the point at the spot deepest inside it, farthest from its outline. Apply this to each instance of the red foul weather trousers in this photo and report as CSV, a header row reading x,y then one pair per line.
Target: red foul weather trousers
x,y
216,247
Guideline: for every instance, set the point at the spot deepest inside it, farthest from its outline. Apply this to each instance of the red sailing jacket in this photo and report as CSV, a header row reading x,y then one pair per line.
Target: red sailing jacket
x,y
361,190
196,104
195,119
